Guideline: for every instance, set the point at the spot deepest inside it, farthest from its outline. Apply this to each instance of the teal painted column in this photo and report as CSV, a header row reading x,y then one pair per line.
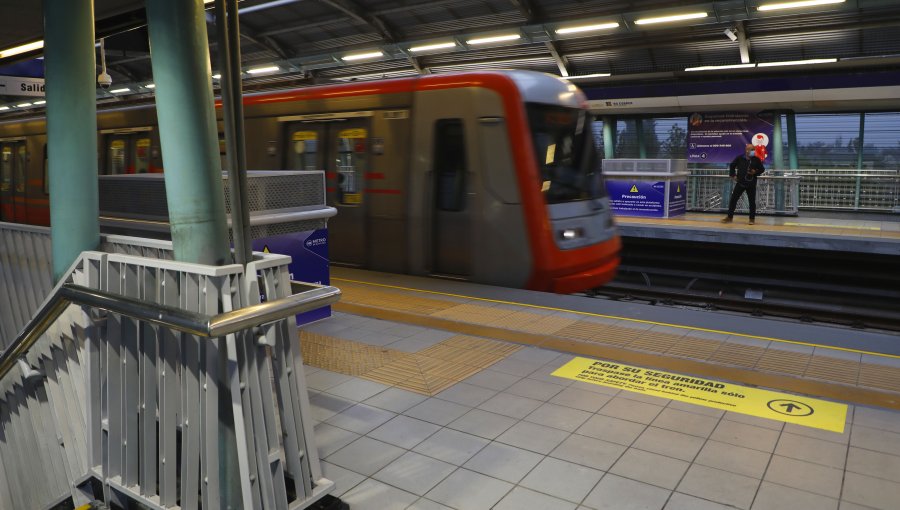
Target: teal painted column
x,y
778,162
609,137
188,133
792,141
639,134
70,71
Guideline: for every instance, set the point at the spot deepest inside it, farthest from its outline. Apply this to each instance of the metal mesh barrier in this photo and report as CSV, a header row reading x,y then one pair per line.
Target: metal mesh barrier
x,y
710,190
869,190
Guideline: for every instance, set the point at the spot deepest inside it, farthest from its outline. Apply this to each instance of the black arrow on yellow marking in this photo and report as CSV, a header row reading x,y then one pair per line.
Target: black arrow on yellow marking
x,y
790,407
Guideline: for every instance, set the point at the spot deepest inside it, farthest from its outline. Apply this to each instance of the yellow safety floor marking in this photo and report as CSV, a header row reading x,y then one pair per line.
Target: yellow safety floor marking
x,y
474,316
817,225
806,411
428,372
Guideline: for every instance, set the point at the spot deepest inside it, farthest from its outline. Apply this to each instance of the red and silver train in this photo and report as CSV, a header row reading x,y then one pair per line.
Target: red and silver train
x,y
491,177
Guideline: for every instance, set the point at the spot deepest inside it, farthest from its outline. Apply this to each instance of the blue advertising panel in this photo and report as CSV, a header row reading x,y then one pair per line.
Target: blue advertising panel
x,y
721,137
677,198
309,262
637,198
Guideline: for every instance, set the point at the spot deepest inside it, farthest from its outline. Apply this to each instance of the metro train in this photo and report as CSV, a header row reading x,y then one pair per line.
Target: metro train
x,y
490,177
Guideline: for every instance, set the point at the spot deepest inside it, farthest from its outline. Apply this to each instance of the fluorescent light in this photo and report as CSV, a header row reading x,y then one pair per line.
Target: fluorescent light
x,y
119,91
216,76
713,68
362,56
430,47
493,39
23,105
795,5
262,70
666,19
799,62
3,108
150,86
587,28
36,45
42,101
585,76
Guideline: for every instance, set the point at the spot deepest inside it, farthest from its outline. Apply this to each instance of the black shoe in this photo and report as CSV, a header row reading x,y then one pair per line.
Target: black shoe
x,y
727,219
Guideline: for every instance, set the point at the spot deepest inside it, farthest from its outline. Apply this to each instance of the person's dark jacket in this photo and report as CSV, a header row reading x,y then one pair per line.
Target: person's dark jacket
x,y
740,166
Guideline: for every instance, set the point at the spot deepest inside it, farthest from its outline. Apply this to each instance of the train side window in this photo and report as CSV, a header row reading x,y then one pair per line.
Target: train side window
x,y
351,165
450,164
117,162
142,155
46,173
306,149
6,164
21,162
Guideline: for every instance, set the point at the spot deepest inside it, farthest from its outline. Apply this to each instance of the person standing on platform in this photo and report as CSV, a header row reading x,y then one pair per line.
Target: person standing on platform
x,y
743,171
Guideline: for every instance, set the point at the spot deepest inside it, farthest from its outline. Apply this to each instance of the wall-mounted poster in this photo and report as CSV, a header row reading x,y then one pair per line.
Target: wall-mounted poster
x,y
720,137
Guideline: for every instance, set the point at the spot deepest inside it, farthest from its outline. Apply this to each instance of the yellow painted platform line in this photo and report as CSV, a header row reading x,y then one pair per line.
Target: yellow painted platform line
x,y
801,410
847,227
629,319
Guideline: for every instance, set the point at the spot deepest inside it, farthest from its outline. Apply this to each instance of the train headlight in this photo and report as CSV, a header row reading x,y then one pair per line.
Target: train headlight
x,y
571,233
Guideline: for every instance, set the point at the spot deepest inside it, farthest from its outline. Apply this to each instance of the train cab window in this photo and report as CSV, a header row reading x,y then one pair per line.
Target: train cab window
x,y
6,167
306,150
351,165
565,153
450,164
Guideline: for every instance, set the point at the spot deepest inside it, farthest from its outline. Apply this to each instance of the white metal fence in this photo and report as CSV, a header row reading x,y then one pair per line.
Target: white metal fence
x,y
26,276
134,408
710,191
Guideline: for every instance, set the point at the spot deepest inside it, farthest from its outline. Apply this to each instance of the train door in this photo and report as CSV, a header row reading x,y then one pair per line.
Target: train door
x,y
340,148
128,153
451,222
13,166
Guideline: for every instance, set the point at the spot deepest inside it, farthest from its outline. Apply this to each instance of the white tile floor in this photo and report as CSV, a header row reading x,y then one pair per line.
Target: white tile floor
x,y
512,437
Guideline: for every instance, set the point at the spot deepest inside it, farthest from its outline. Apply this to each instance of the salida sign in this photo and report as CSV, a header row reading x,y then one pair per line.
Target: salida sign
x,y
18,86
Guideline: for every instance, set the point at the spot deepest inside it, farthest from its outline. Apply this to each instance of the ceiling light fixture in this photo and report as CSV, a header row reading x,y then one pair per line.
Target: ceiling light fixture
x,y
150,86
262,70
493,39
667,19
431,47
799,62
716,68
42,101
796,5
119,91
216,76
587,28
586,76
36,45
4,108
23,105
363,56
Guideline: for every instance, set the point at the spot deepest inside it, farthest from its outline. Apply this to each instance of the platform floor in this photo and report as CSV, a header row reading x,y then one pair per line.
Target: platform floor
x,y
811,230
412,416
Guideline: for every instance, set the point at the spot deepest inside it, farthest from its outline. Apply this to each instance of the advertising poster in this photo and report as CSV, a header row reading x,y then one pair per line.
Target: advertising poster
x,y
637,198
309,262
721,137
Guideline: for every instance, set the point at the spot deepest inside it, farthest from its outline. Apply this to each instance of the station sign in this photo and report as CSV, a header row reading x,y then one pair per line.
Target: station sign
x,y
21,86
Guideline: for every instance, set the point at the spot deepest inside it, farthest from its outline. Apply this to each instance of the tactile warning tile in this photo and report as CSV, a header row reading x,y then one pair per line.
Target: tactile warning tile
x,y
879,376
787,362
344,356
655,342
738,354
833,369
692,347
393,300
428,372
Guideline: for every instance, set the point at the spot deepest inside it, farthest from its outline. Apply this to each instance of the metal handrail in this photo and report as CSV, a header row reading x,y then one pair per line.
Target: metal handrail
x,y
189,322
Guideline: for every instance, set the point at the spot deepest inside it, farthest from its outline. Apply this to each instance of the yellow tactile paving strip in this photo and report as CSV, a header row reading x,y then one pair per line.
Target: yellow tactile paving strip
x,y
873,229
772,365
428,371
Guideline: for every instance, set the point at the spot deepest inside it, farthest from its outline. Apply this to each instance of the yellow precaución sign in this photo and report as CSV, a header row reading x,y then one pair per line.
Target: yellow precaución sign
x,y
633,188
810,412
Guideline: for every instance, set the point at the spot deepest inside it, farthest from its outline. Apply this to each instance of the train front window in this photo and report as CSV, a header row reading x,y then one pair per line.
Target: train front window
x,y
565,153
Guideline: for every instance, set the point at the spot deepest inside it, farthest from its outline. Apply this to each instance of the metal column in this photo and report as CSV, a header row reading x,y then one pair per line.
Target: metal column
x,y
70,69
639,134
228,39
792,141
777,162
188,132
609,137
859,158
